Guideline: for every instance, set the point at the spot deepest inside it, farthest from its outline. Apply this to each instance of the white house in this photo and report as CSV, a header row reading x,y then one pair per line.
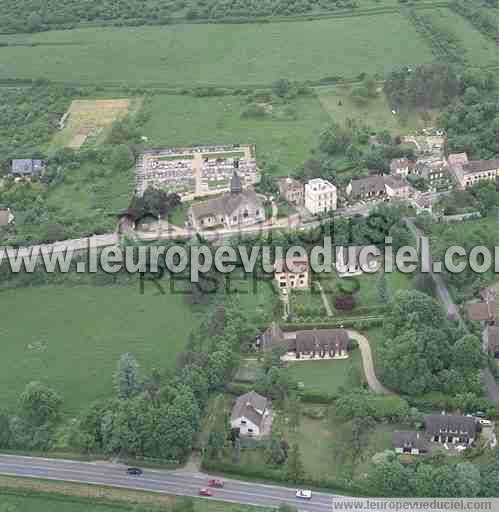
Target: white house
x,y
251,415
348,261
320,196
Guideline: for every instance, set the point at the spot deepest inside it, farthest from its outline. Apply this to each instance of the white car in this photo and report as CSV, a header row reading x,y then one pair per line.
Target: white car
x,y
304,494
485,423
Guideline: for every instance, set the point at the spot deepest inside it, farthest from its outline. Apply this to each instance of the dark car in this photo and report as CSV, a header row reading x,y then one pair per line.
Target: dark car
x,y
134,471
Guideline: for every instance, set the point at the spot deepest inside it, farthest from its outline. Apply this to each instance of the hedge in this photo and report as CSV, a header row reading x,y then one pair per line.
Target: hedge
x,y
261,473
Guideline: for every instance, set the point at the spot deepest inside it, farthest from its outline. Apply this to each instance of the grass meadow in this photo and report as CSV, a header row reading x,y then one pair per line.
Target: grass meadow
x,y
283,140
216,54
338,103
72,337
57,503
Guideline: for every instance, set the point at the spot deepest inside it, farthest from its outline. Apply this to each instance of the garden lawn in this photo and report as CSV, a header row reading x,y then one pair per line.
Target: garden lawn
x,y
72,337
185,120
329,376
216,54
366,285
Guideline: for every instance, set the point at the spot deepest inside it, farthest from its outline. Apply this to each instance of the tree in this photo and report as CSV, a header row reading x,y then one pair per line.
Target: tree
x,y
281,87
127,377
382,288
485,193
40,404
467,353
295,471
216,443
34,22
122,158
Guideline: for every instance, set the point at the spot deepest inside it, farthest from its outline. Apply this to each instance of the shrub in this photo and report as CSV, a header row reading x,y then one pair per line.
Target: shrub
x,y
344,302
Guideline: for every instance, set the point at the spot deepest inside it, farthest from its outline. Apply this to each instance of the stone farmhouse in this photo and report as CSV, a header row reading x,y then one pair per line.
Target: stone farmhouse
x,y
27,168
292,273
251,415
196,171
293,191
236,208
318,344
468,172
320,196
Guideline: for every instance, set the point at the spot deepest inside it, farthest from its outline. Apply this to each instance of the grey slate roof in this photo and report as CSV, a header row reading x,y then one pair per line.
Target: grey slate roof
x,y
226,204
409,439
436,424
371,184
315,340
247,406
27,167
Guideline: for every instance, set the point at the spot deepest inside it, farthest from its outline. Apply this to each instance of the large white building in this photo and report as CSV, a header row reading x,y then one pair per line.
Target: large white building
x,y
320,196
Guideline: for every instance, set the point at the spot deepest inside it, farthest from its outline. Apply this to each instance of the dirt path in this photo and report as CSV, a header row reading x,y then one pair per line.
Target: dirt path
x,y
368,364
325,300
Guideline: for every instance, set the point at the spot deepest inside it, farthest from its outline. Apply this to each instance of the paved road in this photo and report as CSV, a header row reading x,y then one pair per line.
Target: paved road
x,y
167,482
368,364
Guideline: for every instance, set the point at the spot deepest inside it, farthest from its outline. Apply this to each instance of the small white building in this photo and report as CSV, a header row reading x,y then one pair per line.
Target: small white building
x,y
292,273
320,196
251,415
348,262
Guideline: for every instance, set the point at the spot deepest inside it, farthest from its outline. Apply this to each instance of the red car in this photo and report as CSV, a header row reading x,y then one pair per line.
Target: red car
x,y
215,483
205,492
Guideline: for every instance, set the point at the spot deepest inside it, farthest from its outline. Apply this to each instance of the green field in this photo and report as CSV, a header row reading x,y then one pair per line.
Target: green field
x,y
211,54
184,120
480,50
71,337
377,114
12,503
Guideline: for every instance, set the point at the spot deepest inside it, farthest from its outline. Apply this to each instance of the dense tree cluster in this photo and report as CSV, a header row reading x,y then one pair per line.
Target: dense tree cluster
x,y
444,236
470,114
481,18
422,351
29,119
34,16
344,152
434,477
